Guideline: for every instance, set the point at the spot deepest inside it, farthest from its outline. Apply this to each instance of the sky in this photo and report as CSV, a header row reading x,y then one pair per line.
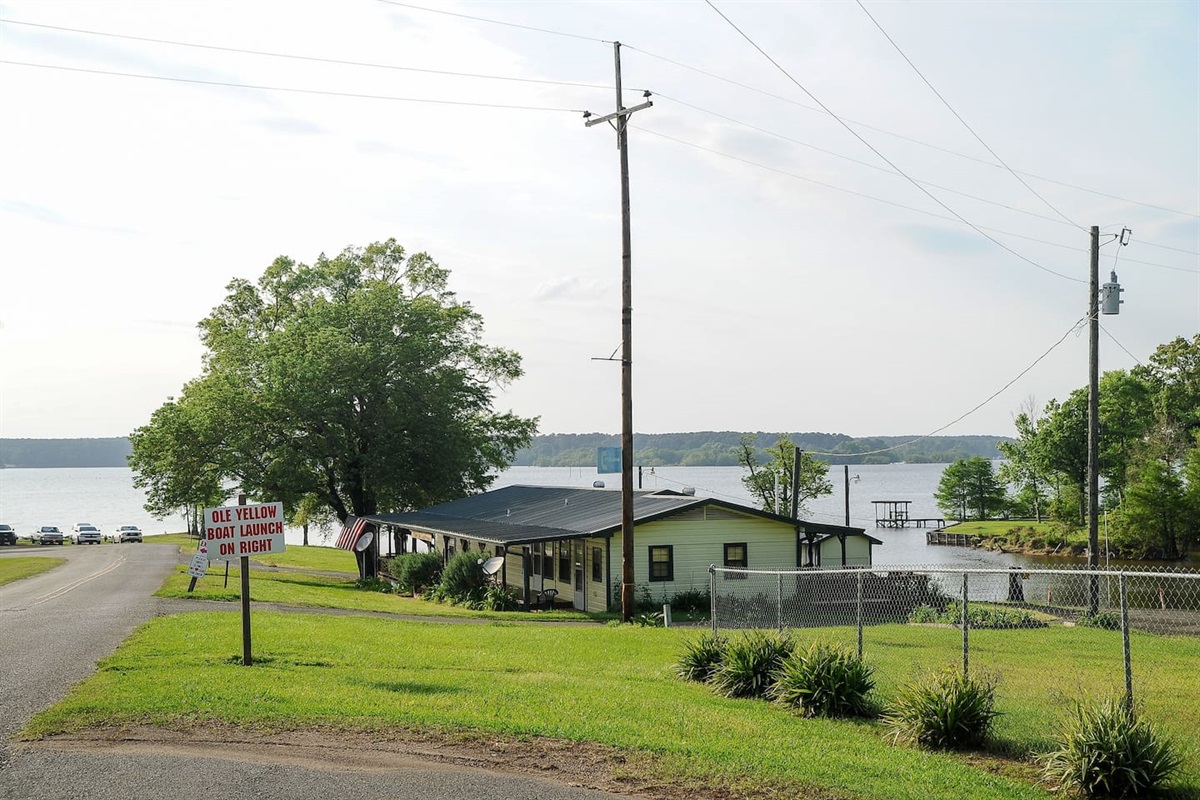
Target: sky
x,y
819,243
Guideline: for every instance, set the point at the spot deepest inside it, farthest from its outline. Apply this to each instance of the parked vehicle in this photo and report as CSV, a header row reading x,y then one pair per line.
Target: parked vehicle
x,y
85,533
7,535
128,533
47,534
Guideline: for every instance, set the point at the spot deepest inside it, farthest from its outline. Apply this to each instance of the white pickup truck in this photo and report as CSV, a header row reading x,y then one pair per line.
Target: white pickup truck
x,y
85,533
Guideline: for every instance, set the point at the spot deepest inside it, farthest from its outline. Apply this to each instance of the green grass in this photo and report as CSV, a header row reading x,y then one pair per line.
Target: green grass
x,y
1021,534
610,685
319,591
18,567
322,559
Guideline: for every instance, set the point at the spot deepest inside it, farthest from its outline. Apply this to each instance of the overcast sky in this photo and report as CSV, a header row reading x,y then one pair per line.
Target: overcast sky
x,y
784,276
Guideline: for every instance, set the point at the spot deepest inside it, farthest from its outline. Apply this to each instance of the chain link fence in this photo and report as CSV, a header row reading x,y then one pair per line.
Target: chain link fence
x,y
1098,622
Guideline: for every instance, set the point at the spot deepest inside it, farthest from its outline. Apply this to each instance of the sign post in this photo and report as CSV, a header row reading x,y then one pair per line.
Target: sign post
x,y
240,532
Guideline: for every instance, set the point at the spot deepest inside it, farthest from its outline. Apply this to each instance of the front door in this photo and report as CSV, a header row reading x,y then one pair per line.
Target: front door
x,y
577,551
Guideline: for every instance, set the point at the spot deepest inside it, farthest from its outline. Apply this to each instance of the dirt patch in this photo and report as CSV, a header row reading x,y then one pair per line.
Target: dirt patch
x,y
577,764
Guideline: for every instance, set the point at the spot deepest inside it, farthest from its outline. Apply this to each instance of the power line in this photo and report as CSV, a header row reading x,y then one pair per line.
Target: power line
x,y
847,191
860,162
910,139
1123,347
872,148
496,22
257,87
316,59
904,206
1075,327
950,108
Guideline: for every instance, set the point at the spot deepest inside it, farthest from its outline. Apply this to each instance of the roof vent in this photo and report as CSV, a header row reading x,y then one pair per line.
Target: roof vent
x,y
690,491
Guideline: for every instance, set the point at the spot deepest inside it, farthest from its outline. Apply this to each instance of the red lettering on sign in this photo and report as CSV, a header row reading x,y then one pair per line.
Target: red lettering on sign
x,y
254,546
222,515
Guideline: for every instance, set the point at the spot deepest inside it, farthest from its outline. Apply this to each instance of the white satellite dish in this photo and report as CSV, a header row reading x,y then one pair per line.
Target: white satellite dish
x,y
364,541
493,565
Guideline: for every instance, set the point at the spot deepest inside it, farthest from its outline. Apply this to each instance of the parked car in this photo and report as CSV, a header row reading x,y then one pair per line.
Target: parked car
x,y
128,533
7,535
85,533
47,534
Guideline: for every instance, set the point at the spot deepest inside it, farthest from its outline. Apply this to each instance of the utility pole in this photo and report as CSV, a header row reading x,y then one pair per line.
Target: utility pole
x,y
1093,436
619,121
1109,301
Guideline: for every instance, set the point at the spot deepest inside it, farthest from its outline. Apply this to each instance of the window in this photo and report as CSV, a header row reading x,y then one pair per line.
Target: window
x,y
597,565
536,560
564,562
735,556
662,563
548,561
482,547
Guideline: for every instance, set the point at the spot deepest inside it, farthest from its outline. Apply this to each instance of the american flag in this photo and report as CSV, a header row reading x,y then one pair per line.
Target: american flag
x,y
351,530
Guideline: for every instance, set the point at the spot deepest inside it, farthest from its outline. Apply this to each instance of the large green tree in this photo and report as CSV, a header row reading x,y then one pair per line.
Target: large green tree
x,y
770,482
358,381
969,489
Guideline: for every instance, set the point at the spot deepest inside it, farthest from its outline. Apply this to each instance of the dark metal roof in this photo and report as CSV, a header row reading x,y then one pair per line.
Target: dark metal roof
x,y
520,514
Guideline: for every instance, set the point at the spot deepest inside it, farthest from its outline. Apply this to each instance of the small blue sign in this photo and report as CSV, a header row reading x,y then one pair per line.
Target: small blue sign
x,y
608,459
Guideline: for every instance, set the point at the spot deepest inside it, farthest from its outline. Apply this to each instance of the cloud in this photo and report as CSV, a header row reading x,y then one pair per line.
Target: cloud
x,y
34,212
942,241
566,288
289,125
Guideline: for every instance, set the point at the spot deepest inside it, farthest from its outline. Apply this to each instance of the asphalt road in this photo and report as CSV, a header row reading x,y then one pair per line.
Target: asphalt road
x,y
54,627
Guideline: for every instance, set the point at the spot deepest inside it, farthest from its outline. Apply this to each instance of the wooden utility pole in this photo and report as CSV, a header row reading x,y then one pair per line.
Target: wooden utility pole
x,y
620,120
1093,435
797,460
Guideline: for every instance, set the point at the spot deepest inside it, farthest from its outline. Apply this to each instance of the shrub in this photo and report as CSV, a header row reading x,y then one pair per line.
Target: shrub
x,y
691,601
946,710
373,585
701,657
654,620
1105,750
1108,620
462,580
825,681
750,662
416,571
978,616
499,598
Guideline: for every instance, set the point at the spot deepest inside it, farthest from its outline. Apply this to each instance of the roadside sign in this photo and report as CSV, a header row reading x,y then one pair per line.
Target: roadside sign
x,y
249,530
198,566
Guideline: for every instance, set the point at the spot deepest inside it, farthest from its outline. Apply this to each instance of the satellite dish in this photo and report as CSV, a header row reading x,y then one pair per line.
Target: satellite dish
x,y
493,565
364,541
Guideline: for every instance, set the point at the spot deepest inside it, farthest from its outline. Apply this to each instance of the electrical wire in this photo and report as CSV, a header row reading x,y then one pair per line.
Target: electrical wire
x,y
292,90
957,116
1123,347
1075,327
901,136
816,182
884,158
853,160
495,21
316,59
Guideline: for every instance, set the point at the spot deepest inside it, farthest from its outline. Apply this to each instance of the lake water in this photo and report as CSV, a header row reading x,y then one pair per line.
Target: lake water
x,y
107,498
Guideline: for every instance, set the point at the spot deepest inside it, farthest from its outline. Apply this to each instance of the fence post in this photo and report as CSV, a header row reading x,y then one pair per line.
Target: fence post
x,y
858,612
965,627
779,601
1125,642
712,595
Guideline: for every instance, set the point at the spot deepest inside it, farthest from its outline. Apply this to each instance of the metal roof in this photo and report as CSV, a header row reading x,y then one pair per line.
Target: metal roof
x,y
520,514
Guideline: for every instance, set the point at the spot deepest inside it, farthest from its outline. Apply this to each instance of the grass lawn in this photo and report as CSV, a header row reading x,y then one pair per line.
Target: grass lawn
x,y
611,685
322,559
319,591
1022,533
18,567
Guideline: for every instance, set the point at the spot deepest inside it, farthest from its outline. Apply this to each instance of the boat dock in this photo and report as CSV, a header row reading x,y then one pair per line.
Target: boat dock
x,y
942,536
894,514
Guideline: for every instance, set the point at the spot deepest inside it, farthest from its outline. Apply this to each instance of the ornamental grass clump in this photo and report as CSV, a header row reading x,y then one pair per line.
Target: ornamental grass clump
x,y
944,711
826,680
750,662
701,657
1105,750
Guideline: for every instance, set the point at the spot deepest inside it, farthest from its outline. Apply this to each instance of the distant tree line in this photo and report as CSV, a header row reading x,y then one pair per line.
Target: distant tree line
x,y
45,453
725,448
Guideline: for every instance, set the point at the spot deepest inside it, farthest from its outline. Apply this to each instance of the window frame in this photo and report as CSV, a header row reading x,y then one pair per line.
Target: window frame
x,y
597,565
669,562
728,563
